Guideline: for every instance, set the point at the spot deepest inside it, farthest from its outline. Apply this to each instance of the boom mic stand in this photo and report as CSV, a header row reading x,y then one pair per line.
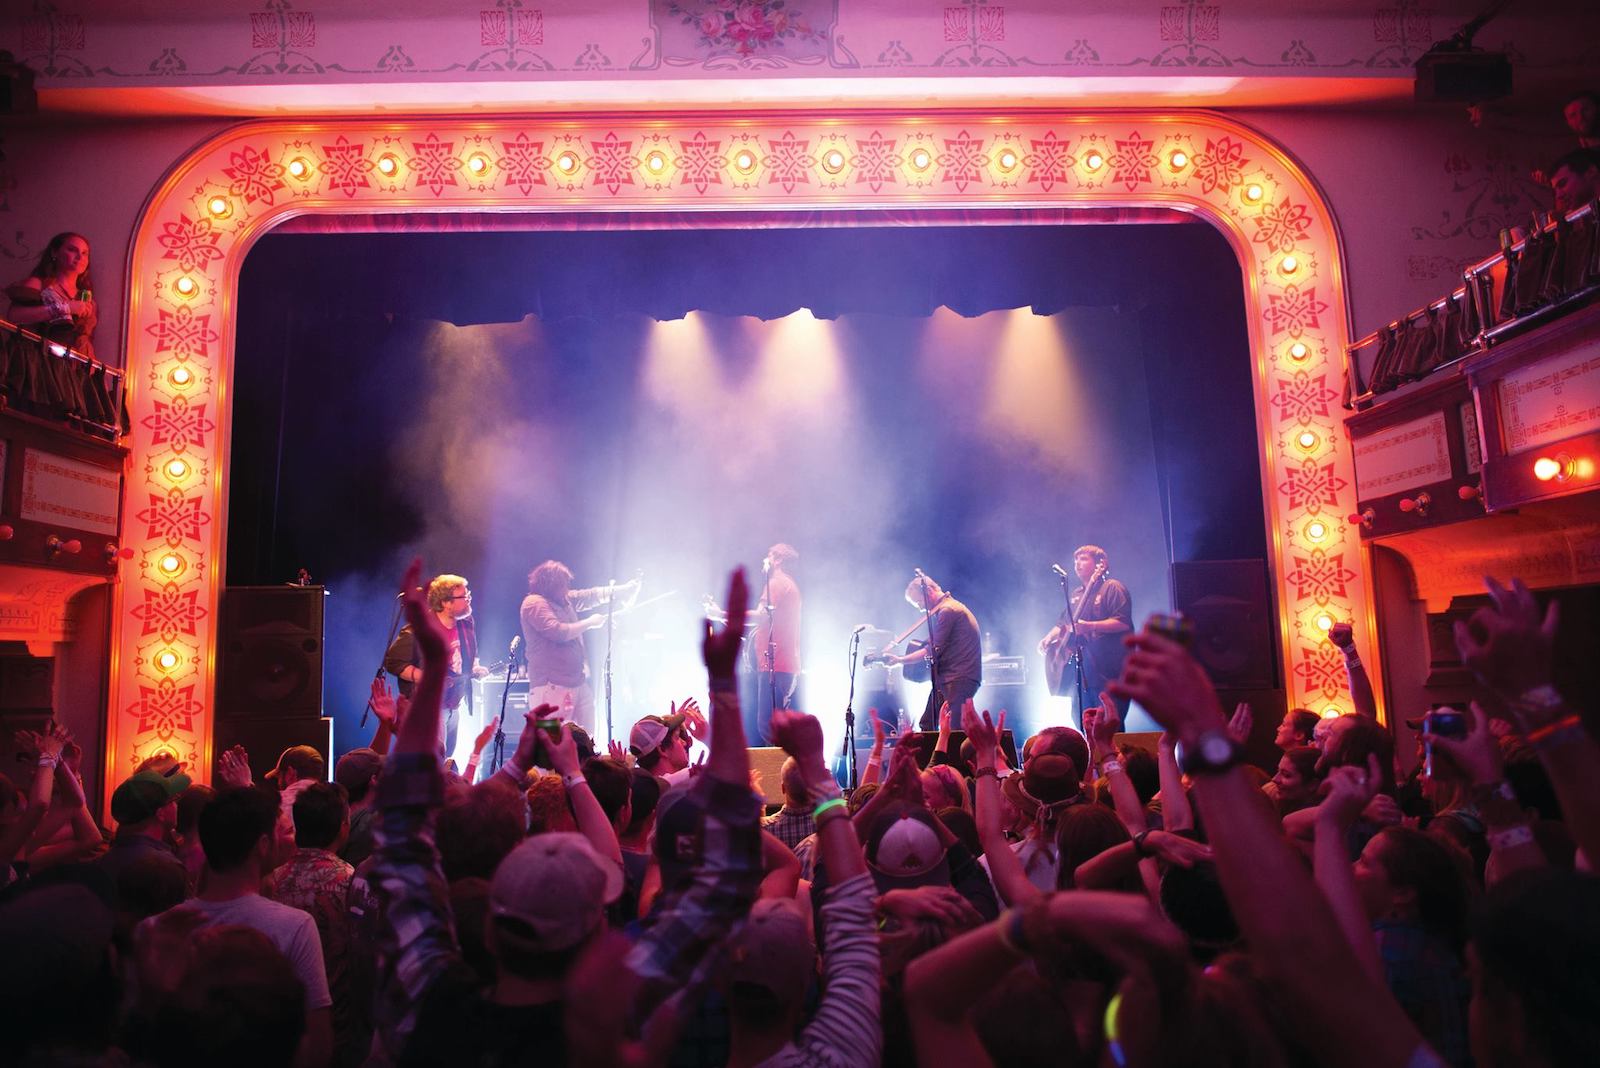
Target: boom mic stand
x,y
850,709
505,692
394,627
1078,650
772,643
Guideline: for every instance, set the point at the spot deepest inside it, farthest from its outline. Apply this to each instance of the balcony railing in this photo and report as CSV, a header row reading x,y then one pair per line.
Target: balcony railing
x,y
50,381
1552,271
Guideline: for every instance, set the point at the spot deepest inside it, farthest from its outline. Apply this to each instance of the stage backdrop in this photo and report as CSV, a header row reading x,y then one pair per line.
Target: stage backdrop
x,y
980,448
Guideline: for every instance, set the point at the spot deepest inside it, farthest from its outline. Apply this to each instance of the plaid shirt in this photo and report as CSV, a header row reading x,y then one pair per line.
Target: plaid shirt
x,y
417,942
790,826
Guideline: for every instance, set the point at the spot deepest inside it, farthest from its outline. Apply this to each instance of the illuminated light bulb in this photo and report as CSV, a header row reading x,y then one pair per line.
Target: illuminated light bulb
x,y
477,164
1298,351
1178,160
57,349
656,162
299,168
567,162
1324,622
177,468
1253,192
219,207
921,158
171,563
833,161
1559,467
180,376
1316,530
1306,440
166,660
388,164
1331,712
1008,159
1289,265
745,160
1094,161
186,286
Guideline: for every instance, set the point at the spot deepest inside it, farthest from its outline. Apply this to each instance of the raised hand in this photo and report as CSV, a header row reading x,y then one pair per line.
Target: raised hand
x,y
617,751
982,733
483,737
721,648
383,702
528,740
694,720
233,769
1239,725
800,736
431,636
1348,791
1477,754
1342,635
1510,645
1101,725
563,752
1170,685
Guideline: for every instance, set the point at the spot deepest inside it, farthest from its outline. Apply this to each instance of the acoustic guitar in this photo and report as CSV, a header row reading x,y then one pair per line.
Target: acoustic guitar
x,y
1062,650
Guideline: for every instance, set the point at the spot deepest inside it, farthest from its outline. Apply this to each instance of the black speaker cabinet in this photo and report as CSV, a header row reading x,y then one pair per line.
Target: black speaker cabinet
x,y
1228,603
269,653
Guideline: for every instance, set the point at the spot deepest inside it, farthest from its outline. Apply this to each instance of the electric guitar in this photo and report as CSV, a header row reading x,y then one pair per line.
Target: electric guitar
x,y
1064,646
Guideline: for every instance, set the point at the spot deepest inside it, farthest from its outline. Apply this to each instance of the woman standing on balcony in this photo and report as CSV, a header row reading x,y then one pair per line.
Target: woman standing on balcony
x,y
57,298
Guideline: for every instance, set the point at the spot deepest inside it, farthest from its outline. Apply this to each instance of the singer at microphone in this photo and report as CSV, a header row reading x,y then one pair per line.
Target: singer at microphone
x,y
1087,637
450,599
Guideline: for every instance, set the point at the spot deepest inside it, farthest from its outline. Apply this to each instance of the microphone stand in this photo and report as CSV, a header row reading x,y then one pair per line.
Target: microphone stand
x,y
394,627
772,643
505,693
1073,612
932,650
850,712
611,615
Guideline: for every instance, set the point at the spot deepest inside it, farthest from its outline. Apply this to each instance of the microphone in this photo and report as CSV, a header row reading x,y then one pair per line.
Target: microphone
x,y
516,643
766,564
1058,569
861,628
917,571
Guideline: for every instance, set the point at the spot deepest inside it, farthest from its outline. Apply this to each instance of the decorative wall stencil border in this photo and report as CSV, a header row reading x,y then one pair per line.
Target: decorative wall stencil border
x,y
201,221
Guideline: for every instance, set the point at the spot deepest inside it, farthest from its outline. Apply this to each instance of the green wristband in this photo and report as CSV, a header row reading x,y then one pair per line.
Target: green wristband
x,y
832,802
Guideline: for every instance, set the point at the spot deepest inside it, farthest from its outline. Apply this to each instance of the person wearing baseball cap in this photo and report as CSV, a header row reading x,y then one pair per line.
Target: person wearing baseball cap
x,y
357,771
297,763
661,745
145,807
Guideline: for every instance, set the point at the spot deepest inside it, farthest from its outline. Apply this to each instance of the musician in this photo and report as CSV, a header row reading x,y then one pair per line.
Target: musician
x,y
1102,622
451,600
775,642
958,666
552,634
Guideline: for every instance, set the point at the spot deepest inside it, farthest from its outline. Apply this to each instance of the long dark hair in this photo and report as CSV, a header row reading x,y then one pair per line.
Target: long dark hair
x,y
45,269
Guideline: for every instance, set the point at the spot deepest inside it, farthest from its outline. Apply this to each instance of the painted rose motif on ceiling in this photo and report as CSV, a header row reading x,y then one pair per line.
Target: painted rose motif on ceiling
x,y
752,27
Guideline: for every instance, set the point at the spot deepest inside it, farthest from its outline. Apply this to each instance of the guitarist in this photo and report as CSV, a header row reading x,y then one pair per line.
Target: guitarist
x,y
451,600
1104,612
552,634
958,668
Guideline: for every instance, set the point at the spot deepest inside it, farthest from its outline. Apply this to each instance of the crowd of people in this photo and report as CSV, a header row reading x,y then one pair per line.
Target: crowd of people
x,y
1083,902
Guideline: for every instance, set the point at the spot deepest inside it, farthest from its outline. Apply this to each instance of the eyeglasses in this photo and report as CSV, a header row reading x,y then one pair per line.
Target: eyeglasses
x,y
462,596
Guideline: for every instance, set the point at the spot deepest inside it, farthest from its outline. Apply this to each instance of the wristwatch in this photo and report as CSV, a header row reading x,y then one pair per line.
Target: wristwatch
x,y
1212,753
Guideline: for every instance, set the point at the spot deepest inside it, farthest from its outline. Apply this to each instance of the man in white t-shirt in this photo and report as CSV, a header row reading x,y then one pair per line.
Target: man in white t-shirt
x,y
238,832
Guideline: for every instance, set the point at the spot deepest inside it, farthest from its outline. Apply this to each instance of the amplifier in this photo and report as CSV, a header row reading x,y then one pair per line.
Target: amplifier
x,y
1005,671
486,699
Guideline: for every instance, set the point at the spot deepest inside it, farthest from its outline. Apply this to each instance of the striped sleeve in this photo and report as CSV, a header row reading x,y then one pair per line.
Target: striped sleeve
x,y
846,1032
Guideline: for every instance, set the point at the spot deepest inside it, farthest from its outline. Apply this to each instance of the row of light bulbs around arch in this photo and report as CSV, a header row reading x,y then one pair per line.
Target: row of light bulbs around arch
x,y
743,161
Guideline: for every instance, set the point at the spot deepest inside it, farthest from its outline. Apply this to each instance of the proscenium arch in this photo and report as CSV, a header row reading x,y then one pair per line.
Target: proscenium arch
x,y
199,224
